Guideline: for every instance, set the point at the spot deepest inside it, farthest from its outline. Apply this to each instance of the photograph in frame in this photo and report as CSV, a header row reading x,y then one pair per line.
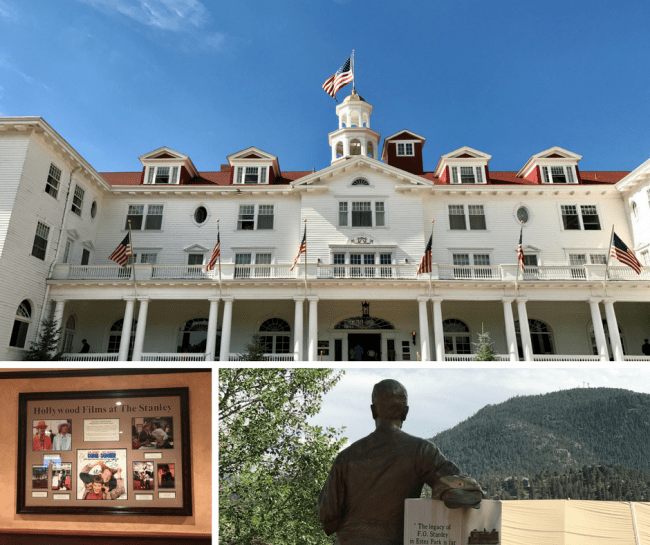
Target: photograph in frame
x,y
61,476
152,433
39,477
143,476
166,479
102,475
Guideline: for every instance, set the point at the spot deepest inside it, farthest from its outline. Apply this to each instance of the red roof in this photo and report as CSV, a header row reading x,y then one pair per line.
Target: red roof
x,y
507,178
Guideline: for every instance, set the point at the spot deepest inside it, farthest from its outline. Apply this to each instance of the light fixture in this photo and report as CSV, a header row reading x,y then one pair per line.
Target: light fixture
x,y
239,192
365,309
406,261
414,334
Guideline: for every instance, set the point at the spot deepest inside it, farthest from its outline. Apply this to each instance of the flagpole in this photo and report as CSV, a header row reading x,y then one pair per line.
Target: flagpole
x,y
519,266
219,257
305,235
431,265
135,284
353,82
609,256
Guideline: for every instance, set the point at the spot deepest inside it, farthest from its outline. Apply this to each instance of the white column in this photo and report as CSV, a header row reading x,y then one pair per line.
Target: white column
x,y
140,329
58,318
346,147
424,328
298,323
612,325
211,341
511,335
313,329
599,330
438,333
524,330
226,328
384,348
125,339
346,348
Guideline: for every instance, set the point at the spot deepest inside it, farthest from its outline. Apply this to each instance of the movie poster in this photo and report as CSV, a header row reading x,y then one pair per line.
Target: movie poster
x,y
102,474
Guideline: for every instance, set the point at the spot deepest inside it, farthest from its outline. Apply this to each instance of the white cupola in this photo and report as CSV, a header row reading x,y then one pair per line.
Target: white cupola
x,y
354,136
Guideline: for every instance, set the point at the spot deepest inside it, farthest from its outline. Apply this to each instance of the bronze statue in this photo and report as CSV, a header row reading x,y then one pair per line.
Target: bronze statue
x,y
363,497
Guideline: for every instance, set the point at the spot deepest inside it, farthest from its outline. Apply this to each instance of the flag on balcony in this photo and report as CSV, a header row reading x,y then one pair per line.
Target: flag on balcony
x,y
301,250
215,254
342,77
425,265
626,256
123,251
520,250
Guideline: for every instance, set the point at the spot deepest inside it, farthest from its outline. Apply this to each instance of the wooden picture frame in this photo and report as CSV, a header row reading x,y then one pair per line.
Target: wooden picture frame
x,y
110,430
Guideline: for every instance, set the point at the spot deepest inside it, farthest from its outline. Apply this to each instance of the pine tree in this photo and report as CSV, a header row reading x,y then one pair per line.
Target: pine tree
x,y
46,345
254,351
484,351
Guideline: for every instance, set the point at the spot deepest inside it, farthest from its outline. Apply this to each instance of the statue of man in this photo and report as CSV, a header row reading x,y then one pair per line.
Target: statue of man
x,y
363,497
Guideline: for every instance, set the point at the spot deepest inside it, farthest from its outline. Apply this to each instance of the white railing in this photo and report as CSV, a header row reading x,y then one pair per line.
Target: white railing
x,y
560,357
267,357
470,357
560,272
181,272
98,272
173,356
264,271
636,358
367,271
89,356
469,272
626,273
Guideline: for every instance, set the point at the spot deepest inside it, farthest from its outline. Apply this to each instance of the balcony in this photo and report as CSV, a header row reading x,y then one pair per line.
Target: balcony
x,y
465,273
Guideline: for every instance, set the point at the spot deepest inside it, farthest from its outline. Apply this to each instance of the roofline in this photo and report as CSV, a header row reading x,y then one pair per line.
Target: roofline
x,y
387,138
40,123
637,176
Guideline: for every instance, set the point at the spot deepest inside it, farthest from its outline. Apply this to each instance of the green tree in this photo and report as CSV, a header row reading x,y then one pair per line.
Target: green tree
x,y
485,350
254,350
46,345
272,464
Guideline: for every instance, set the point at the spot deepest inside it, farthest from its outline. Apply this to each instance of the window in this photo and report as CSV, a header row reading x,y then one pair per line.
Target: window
x,y
251,264
193,336
246,220
115,336
362,265
475,217
53,180
598,259
275,336
594,346
405,149
468,175
379,214
457,337
195,259
251,175
67,252
93,209
362,214
163,175
360,181
21,325
540,335
68,334
40,241
200,215
480,261
77,200
635,209
343,214
558,175
523,214
152,221
645,258
148,257
85,256
587,219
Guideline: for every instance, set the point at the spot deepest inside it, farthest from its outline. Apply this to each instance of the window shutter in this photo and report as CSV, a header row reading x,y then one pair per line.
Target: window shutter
x,y
545,175
479,175
239,174
454,175
151,172
569,174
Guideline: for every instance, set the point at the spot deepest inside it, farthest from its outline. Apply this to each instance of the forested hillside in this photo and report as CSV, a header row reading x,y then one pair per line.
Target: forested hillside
x,y
555,432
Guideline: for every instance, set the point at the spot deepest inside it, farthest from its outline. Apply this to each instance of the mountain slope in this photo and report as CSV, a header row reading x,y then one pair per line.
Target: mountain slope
x,y
553,432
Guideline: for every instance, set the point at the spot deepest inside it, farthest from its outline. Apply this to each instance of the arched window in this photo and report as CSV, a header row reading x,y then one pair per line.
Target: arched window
x,y
354,119
594,346
540,336
339,149
275,336
457,337
115,336
193,336
360,181
68,334
355,147
370,150
21,325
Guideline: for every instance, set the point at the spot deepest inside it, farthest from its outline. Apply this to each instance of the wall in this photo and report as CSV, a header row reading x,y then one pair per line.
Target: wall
x,y
199,525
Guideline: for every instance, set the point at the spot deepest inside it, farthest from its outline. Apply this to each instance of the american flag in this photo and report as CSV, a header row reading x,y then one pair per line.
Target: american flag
x,y
626,256
425,265
123,251
342,77
520,251
215,254
301,250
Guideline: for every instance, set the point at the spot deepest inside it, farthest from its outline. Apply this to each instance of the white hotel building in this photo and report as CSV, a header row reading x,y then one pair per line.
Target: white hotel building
x,y
368,216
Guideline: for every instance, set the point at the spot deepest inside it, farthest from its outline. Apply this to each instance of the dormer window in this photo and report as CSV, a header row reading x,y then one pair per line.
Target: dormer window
x,y
558,175
467,175
251,175
405,149
163,175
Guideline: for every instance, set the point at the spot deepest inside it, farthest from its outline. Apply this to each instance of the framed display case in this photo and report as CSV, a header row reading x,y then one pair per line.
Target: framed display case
x,y
120,452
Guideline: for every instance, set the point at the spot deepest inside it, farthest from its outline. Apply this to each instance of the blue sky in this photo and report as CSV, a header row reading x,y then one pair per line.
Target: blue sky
x,y
120,78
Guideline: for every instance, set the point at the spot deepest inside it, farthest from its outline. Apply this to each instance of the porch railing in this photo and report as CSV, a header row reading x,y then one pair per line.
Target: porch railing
x,y
230,271
636,358
173,356
90,356
470,357
560,357
267,357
